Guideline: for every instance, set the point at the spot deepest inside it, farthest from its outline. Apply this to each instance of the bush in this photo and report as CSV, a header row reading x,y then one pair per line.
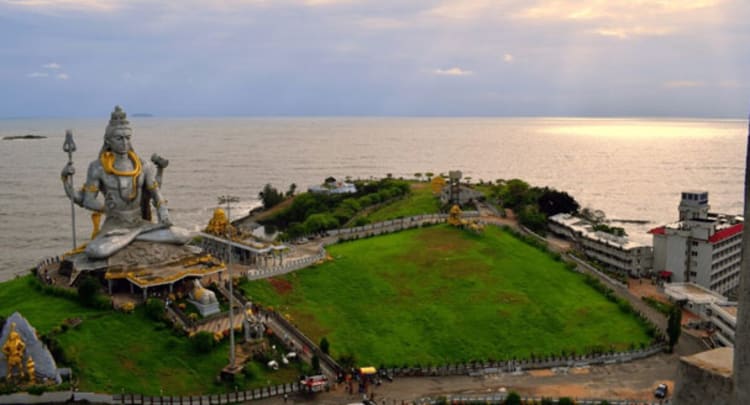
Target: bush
x,y
513,399
155,309
202,342
324,345
565,401
88,289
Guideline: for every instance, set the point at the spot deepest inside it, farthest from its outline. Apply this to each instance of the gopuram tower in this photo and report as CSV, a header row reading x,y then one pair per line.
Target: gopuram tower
x,y
741,376
722,376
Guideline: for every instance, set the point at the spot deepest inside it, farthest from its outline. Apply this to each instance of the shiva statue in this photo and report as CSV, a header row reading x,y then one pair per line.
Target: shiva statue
x,y
129,185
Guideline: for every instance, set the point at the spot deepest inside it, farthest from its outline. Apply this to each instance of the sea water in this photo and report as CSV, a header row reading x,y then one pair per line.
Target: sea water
x,y
632,169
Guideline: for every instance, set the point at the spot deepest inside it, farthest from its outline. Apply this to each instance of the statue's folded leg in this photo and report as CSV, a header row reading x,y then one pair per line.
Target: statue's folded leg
x,y
172,234
105,245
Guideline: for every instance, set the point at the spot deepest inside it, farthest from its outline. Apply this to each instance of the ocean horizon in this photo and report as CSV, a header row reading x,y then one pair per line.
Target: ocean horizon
x,y
631,168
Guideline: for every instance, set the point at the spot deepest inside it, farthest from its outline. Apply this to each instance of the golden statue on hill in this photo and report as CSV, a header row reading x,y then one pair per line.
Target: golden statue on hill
x,y
13,349
454,218
437,184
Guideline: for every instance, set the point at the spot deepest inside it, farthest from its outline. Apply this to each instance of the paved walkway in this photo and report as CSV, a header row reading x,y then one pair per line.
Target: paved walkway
x,y
221,324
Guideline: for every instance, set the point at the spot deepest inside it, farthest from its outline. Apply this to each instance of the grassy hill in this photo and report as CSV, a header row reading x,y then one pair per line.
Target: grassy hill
x,y
113,351
419,201
439,295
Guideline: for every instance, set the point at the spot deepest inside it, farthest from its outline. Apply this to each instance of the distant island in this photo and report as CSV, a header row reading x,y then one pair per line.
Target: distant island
x,y
143,115
27,136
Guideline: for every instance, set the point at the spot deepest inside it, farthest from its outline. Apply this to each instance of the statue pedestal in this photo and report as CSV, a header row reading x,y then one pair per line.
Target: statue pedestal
x,y
228,373
206,309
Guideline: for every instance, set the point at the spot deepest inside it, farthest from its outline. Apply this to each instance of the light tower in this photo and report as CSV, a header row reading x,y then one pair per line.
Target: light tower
x,y
228,200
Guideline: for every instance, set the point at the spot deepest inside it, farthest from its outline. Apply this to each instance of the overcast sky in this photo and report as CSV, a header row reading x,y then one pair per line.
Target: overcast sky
x,y
405,57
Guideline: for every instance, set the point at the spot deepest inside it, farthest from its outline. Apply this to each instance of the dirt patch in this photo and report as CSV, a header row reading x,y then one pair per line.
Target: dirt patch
x,y
579,371
541,373
282,287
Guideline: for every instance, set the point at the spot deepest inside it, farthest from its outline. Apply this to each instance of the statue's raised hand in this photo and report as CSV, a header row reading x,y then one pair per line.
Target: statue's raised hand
x,y
163,214
68,170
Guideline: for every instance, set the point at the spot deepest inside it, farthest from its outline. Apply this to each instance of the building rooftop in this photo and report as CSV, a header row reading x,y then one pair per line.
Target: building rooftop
x,y
586,229
693,293
725,233
725,226
718,361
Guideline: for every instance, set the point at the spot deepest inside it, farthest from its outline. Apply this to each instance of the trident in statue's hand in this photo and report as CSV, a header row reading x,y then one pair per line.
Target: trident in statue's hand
x,y
69,146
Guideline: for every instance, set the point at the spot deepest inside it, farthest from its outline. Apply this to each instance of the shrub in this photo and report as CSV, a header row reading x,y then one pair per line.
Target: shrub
x,y
88,289
324,345
513,399
202,342
36,389
155,309
565,401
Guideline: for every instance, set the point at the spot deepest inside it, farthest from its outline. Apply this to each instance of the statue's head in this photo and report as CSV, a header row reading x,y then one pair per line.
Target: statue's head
x,y
118,132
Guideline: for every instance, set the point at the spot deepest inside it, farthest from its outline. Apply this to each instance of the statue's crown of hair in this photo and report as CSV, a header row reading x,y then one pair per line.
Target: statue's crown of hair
x,y
118,117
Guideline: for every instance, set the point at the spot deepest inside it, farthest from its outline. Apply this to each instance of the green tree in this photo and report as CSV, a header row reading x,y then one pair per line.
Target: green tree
x,y
565,401
514,193
530,217
552,202
320,222
674,326
513,399
324,346
292,190
429,175
418,176
315,363
270,196
88,289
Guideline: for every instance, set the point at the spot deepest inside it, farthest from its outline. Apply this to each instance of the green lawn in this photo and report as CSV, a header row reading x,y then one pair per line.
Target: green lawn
x,y
133,353
419,201
438,295
43,311
112,351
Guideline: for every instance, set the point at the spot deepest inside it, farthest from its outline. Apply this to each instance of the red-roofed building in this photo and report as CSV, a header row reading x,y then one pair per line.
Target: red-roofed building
x,y
702,247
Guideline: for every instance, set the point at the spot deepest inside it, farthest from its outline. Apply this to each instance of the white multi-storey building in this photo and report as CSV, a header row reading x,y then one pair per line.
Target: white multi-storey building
x,y
615,252
702,248
716,313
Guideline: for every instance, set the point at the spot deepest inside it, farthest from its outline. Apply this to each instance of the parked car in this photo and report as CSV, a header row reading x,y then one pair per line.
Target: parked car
x,y
661,391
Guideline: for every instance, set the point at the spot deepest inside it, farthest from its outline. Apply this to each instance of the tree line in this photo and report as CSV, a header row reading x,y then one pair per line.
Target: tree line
x,y
311,213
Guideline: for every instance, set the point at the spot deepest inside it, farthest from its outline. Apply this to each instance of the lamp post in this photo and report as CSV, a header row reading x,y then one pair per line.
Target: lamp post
x,y
228,200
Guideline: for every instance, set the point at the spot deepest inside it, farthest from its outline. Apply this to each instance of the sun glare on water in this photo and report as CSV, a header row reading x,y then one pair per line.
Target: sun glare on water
x,y
637,130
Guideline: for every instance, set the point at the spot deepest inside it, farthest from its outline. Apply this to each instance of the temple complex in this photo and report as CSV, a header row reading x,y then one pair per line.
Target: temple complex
x,y
136,250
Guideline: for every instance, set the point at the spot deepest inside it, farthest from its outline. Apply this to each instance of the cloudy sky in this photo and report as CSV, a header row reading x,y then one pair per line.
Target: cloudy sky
x,y
402,57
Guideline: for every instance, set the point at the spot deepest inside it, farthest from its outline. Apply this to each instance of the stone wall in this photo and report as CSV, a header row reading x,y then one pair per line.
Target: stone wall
x,y
705,378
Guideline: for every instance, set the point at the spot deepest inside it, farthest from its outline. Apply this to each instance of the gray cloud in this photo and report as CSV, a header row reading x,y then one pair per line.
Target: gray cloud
x,y
284,57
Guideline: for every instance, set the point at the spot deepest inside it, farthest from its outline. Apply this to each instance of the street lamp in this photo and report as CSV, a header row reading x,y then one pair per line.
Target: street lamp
x,y
228,200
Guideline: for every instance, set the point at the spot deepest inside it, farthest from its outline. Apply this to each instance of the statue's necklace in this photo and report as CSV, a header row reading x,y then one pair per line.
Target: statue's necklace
x,y
107,159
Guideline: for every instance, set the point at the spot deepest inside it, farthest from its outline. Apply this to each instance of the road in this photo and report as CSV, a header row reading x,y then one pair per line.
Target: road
x,y
633,381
